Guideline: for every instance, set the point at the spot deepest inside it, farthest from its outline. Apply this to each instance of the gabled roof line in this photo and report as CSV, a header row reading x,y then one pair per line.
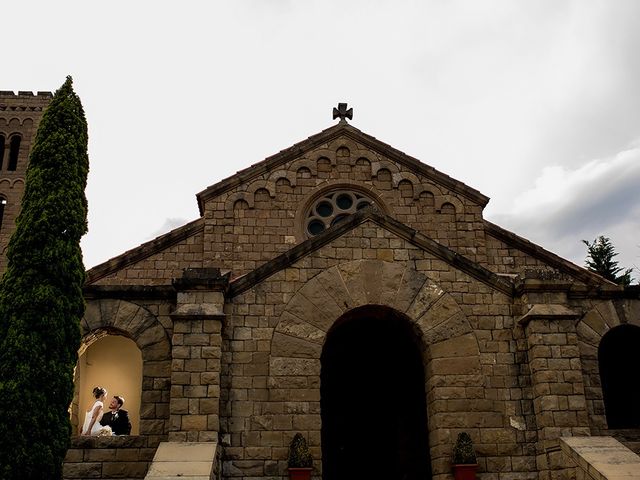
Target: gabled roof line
x,y
291,256
265,165
144,250
327,135
550,258
426,170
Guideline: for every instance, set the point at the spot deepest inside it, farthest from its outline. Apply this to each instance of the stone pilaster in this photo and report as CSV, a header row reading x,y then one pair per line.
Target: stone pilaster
x,y
196,348
556,377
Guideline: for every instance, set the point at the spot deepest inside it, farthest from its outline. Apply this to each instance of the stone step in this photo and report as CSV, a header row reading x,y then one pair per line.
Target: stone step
x,y
601,458
184,461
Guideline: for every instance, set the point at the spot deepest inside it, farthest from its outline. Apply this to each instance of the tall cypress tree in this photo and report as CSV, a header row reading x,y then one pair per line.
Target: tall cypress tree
x,y
41,301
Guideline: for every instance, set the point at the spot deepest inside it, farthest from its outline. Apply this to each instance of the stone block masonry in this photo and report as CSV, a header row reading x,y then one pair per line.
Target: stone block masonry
x,y
108,458
197,350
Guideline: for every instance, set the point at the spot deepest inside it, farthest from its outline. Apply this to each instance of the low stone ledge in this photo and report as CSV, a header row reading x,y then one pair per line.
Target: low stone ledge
x,y
548,312
114,441
115,457
601,458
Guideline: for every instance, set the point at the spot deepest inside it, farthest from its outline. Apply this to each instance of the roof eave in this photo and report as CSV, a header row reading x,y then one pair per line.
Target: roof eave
x,y
548,257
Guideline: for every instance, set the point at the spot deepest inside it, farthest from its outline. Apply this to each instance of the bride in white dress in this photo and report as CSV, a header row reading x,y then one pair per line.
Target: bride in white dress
x,y
92,416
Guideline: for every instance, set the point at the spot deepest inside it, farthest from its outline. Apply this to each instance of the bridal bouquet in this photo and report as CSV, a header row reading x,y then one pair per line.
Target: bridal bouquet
x,y
105,432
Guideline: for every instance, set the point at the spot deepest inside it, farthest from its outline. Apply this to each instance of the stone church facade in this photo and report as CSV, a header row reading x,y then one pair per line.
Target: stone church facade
x,y
347,291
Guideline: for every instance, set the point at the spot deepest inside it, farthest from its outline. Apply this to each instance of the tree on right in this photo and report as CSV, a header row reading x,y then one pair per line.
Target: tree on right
x,y
601,259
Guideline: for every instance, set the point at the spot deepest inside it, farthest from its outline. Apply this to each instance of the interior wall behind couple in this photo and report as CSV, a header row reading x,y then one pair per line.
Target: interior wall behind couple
x,y
115,363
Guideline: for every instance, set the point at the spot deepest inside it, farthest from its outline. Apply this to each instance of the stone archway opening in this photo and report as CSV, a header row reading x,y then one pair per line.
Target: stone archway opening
x,y
109,359
373,405
619,360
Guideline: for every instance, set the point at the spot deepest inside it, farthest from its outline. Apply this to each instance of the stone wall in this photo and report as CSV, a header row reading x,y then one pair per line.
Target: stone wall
x,y
274,332
156,262
505,258
236,358
601,316
108,458
248,225
148,325
19,114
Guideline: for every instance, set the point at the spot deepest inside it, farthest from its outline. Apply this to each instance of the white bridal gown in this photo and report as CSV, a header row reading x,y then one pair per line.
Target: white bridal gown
x,y
87,419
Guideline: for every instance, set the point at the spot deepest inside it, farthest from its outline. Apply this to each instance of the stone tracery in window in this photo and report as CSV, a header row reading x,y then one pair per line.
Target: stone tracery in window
x,y
332,208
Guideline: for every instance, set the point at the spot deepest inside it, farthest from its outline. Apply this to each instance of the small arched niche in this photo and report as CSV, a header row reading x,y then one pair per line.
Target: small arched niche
x,y
113,361
619,362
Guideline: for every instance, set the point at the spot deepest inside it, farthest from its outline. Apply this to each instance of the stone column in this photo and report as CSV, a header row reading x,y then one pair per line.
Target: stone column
x,y
196,347
556,378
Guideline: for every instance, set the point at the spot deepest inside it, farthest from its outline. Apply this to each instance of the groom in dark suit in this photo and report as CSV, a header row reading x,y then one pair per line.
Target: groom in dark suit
x,y
117,418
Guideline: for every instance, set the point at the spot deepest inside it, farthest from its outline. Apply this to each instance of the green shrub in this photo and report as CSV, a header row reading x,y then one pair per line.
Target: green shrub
x,y
299,455
463,452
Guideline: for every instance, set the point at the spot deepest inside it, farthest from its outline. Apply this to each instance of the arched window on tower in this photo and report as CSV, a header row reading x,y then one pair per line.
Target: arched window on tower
x,y
14,150
1,150
619,360
3,204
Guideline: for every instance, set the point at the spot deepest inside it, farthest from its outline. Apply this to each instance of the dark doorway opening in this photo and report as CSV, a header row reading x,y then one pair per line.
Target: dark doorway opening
x,y
373,406
619,359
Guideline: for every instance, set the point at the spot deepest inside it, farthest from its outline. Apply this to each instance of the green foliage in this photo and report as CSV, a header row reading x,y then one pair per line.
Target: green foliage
x,y
299,455
600,259
463,452
41,300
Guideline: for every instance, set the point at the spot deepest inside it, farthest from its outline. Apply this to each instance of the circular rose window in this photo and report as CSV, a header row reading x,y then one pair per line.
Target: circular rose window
x,y
333,207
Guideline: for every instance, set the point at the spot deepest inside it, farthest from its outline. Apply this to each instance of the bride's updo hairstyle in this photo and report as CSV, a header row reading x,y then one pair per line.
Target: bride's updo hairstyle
x,y
98,392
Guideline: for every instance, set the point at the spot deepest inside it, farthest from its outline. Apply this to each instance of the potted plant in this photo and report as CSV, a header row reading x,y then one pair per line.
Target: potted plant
x,y
300,460
465,463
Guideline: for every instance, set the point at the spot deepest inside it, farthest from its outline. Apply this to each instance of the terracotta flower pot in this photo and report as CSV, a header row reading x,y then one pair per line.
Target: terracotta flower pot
x,y
299,473
465,471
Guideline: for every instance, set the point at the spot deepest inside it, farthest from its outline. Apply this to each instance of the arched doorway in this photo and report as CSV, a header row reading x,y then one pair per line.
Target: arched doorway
x,y
619,360
373,406
114,362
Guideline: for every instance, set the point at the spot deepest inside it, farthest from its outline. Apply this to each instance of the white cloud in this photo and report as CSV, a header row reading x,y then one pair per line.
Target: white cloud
x,y
179,97
168,225
566,205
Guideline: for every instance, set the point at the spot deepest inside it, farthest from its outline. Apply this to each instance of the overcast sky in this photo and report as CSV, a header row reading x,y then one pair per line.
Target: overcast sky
x,y
534,103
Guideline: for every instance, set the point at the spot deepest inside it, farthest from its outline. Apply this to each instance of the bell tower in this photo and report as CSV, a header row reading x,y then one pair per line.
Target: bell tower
x,y
20,115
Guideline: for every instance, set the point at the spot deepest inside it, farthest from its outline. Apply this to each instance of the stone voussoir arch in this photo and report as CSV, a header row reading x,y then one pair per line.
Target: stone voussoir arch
x,y
378,165
450,347
591,328
398,177
283,174
129,319
232,199
322,300
268,185
441,200
304,162
593,325
119,317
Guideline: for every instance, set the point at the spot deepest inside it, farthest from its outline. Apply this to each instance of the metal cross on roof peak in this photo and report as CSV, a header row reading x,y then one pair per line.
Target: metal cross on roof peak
x,y
342,112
